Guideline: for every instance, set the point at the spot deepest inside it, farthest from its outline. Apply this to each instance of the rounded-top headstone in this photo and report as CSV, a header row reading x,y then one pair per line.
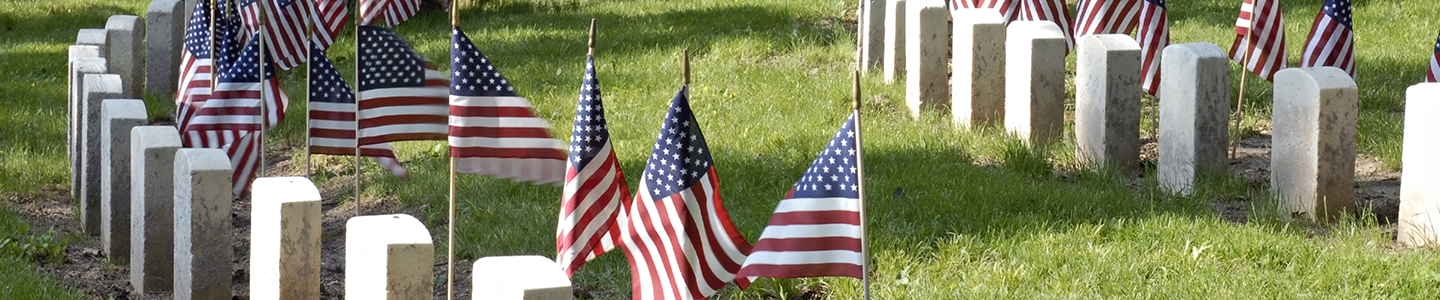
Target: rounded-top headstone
x,y
1312,157
94,37
1419,223
126,42
527,277
285,239
388,257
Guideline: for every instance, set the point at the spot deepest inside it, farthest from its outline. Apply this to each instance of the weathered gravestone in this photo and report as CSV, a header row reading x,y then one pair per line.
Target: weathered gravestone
x,y
152,204
519,278
164,37
1312,156
1035,81
84,59
1107,101
1194,102
285,239
927,35
94,37
126,52
117,117
98,87
388,257
189,11
977,87
202,224
894,61
1420,183
872,34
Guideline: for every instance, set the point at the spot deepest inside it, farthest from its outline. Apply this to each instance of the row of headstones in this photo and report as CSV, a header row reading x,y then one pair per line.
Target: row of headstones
x,y
1015,75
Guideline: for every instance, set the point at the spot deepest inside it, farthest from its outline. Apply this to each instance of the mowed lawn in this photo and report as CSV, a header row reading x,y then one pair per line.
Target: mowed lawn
x,y
953,214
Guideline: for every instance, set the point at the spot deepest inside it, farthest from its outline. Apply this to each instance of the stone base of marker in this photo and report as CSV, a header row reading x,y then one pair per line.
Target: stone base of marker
x,y
97,89
388,257
871,33
285,239
893,65
164,37
1035,81
202,224
152,202
126,39
1312,160
1107,101
519,278
84,59
117,118
1194,109
977,82
927,34
1419,223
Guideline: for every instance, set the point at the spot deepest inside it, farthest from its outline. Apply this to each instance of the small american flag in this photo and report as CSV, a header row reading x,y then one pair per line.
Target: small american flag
x,y
1332,40
816,230
594,185
1264,42
492,130
1434,74
678,238
1008,8
1106,16
389,12
330,18
284,29
196,68
1050,10
402,96
230,119
1154,36
332,116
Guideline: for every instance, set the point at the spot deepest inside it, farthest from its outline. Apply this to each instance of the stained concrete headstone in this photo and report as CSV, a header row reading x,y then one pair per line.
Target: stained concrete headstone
x,y
872,33
528,277
94,37
152,204
117,117
126,52
1107,101
202,224
893,65
1312,156
98,88
84,59
1194,104
977,87
1419,223
1035,81
388,257
285,239
164,35
927,36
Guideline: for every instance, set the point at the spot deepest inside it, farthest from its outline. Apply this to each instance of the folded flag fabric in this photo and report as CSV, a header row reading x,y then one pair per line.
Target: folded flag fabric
x,y
594,185
492,129
387,12
1106,16
1260,34
1332,38
1154,36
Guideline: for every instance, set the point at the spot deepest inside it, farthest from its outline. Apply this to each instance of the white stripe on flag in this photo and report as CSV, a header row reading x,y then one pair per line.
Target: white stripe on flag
x,y
810,231
817,204
804,257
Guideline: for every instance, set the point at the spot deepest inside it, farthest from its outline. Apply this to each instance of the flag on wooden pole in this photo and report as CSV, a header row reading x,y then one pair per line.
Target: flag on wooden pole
x,y
492,129
1332,40
284,29
231,118
594,185
332,116
1154,36
403,97
330,17
1260,34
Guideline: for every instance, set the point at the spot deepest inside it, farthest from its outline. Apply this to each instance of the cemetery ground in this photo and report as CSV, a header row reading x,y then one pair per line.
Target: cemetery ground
x,y
952,213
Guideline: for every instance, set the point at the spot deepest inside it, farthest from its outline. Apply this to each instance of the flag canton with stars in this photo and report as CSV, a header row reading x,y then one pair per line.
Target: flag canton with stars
x,y
387,61
197,35
474,75
1339,10
245,66
589,134
326,85
680,157
1437,45
834,173
1160,3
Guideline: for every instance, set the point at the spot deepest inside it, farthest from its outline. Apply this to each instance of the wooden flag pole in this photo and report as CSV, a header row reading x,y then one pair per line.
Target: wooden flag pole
x,y
591,44
260,46
309,39
450,227
1244,76
358,17
685,58
860,176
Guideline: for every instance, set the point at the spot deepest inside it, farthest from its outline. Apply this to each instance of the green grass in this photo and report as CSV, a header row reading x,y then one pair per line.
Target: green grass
x,y
981,216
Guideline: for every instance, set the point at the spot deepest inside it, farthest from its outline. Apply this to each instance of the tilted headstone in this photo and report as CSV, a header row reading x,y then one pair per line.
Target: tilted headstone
x,y
83,60
98,87
152,207
388,257
1035,81
285,239
527,277
117,117
977,82
202,224
871,33
94,37
893,65
1194,104
927,36
164,37
1420,183
126,52
1107,101
1312,156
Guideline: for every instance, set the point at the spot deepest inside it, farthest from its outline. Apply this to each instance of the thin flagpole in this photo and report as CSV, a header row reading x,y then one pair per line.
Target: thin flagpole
x,y
214,63
860,174
450,244
309,40
260,45
1244,76
685,58
357,109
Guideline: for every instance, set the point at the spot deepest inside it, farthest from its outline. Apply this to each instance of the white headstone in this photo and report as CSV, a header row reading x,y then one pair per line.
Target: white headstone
x,y
977,87
83,60
1035,81
164,37
1194,104
519,278
117,117
927,34
1419,223
894,61
98,87
94,37
871,33
202,224
285,239
1312,156
152,205
388,257
1107,101
126,53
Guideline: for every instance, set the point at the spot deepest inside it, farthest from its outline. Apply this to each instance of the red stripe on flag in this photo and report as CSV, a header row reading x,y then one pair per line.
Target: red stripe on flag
x,y
809,270
808,244
816,217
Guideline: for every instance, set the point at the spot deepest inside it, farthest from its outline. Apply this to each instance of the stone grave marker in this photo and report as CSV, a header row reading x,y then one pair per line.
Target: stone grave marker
x,y
117,117
84,59
927,34
152,198
1107,101
202,224
126,52
894,59
94,37
977,87
871,33
388,257
1419,223
1312,149
164,37
1035,81
527,277
285,239
1194,108
98,88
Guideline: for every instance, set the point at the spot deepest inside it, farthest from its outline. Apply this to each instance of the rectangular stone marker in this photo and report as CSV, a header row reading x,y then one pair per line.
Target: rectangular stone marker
x,y
519,278
98,87
1194,107
117,117
94,37
1312,156
871,33
202,224
894,61
1107,101
126,52
388,257
927,32
977,86
1420,183
152,204
285,239
189,11
1035,81
164,35
84,59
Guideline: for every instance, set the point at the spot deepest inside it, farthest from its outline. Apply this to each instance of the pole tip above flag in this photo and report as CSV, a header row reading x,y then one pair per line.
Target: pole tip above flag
x,y
855,91
591,44
685,58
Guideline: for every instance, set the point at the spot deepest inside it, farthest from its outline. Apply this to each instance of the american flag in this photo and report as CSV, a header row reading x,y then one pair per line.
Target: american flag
x,y
230,121
1434,74
284,29
594,185
678,237
390,12
492,130
1331,42
816,230
1154,36
402,96
330,18
196,66
1008,8
332,116
1054,11
1106,16
1264,42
